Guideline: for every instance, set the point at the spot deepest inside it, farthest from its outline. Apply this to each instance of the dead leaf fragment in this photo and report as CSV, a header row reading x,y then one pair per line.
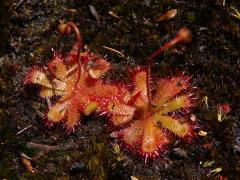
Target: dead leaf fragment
x,y
167,15
94,12
26,160
214,171
208,164
134,178
113,50
113,14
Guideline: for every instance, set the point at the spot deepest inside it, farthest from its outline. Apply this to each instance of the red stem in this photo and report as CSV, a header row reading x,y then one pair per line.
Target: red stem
x,y
72,25
166,46
156,53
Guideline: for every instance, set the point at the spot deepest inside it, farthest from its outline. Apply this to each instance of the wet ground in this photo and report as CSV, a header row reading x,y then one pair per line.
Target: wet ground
x,y
28,35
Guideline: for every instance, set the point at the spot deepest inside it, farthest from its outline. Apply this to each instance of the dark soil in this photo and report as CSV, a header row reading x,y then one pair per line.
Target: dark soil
x,y
28,34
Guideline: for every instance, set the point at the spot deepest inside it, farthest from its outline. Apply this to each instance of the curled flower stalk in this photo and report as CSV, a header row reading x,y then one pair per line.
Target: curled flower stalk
x,y
183,35
66,28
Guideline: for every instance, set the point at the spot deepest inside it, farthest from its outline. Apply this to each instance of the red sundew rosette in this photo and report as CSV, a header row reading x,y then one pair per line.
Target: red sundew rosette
x,y
145,134
88,95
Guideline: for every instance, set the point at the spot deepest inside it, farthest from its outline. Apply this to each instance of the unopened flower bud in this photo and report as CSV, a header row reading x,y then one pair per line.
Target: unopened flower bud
x,y
62,27
185,34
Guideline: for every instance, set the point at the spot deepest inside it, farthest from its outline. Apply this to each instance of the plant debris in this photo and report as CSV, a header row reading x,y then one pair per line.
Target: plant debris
x,y
167,15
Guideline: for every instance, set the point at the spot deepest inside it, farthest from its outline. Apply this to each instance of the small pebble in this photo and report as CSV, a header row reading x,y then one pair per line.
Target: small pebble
x,y
236,148
77,167
202,133
202,48
238,140
193,118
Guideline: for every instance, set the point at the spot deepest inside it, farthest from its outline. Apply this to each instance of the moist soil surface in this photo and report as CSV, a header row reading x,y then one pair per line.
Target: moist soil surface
x,y
29,36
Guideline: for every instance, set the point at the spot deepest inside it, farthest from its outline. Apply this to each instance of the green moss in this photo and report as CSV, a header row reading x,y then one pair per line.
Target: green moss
x,y
98,158
191,16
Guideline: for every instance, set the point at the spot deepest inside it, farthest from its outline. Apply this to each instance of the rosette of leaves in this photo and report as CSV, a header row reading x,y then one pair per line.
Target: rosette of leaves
x,y
154,121
79,90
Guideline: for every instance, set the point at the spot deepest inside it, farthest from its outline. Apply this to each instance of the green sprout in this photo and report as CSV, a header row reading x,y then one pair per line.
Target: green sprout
x,y
120,156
